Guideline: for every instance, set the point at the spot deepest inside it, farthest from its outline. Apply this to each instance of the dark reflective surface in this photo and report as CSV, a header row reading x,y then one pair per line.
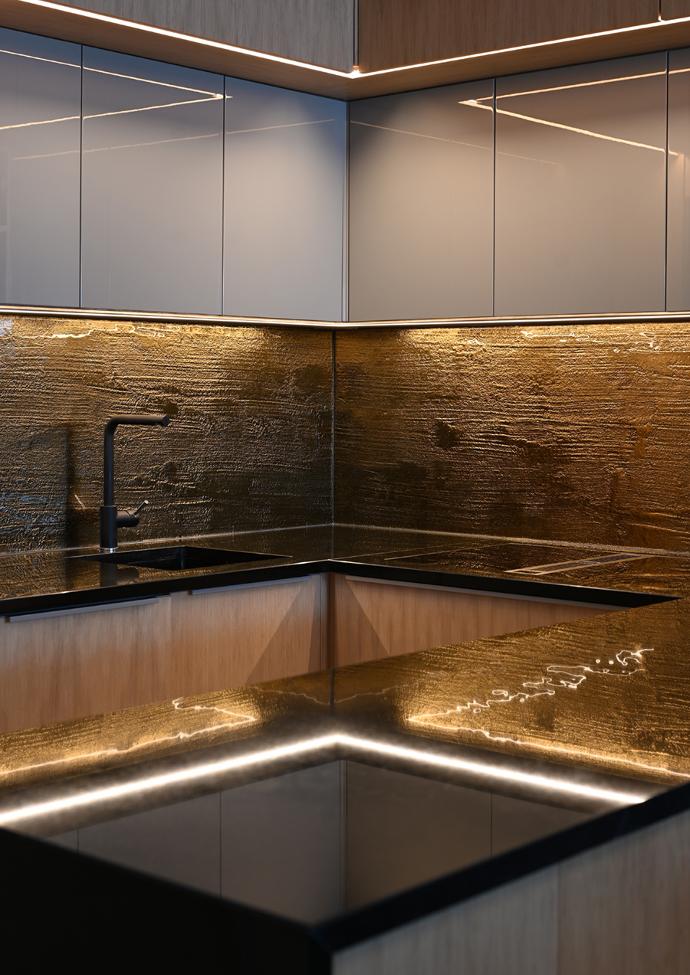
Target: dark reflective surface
x,y
180,557
318,842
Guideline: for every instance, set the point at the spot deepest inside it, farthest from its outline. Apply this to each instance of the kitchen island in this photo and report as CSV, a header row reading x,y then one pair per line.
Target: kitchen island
x,y
320,822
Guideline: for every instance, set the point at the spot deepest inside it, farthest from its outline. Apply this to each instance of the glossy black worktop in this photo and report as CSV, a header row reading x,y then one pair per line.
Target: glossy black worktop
x,y
46,580
319,811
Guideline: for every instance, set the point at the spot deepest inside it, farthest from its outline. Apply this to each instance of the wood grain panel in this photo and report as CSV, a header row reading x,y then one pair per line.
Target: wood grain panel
x,y
620,909
249,446
60,668
675,8
63,667
579,433
511,931
372,619
245,635
624,907
316,31
396,32
184,50
180,50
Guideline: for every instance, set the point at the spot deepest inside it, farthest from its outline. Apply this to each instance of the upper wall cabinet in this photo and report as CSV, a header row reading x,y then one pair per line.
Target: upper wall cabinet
x,y
421,204
40,105
678,266
395,32
285,171
675,8
580,189
317,31
152,185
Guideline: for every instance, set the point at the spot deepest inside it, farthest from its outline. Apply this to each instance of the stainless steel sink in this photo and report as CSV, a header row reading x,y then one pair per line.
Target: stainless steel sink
x,y
180,557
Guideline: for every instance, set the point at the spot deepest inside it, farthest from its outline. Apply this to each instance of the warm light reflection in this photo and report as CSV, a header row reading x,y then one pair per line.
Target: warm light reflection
x,y
36,57
420,135
281,125
148,108
153,81
558,678
194,773
356,73
188,38
229,720
474,103
575,84
120,111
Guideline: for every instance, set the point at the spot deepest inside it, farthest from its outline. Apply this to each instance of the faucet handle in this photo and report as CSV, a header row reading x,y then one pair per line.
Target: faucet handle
x,y
129,517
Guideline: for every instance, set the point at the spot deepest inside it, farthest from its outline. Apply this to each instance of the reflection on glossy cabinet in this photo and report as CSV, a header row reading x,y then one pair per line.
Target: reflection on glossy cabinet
x,y
421,204
678,260
40,106
152,185
370,619
285,162
59,667
580,189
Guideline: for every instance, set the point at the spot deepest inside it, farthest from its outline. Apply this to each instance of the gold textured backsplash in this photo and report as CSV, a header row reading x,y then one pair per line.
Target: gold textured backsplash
x,y
249,446
580,433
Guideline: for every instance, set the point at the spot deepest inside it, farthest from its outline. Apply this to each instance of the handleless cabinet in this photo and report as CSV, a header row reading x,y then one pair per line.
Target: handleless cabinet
x,y
152,185
60,666
40,107
580,189
421,204
678,264
285,163
372,619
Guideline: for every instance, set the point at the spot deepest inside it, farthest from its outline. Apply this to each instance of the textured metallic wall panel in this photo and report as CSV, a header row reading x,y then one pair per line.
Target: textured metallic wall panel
x,y
249,446
576,433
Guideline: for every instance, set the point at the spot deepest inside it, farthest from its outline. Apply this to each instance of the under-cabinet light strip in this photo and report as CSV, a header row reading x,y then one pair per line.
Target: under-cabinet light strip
x,y
152,783
356,72
114,316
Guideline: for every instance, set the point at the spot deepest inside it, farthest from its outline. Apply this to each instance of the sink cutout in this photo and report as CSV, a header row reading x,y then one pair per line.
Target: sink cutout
x,y
179,557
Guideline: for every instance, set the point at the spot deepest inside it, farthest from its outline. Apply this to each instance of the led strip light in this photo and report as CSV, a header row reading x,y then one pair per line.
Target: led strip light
x,y
356,72
305,746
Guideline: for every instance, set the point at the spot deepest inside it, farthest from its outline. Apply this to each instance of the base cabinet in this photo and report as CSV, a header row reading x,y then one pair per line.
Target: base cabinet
x,y
75,663
370,618
63,666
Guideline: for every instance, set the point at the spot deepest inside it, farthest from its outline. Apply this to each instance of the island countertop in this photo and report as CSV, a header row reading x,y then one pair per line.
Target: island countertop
x,y
590,718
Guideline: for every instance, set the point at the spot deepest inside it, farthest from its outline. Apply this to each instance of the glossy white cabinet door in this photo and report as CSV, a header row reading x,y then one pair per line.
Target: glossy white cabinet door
x,y
678,266
580,189
40,105
421,204
152,190
285,165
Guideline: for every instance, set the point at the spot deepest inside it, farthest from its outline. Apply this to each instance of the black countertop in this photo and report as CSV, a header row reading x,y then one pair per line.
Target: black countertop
x,y
45,580
539,744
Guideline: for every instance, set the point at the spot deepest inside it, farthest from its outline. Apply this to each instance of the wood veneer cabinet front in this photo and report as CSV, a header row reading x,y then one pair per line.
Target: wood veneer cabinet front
x,y
63,667
370,619
247,634
397,32
674,8
618,909
316,31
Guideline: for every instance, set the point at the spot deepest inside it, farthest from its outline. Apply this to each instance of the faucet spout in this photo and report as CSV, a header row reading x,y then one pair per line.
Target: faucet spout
x,y
110,518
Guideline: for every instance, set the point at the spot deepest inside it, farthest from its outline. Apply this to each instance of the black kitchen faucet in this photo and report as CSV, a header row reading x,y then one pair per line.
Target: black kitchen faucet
x,y
110,518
